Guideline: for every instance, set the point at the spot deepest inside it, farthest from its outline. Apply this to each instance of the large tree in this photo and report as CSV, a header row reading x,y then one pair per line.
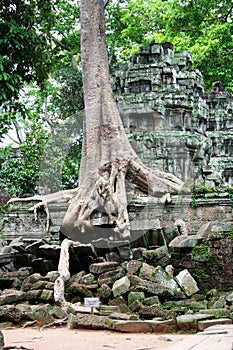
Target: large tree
x,y
109,166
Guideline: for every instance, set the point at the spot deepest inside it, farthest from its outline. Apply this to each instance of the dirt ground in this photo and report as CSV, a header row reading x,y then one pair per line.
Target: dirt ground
x,y
65,339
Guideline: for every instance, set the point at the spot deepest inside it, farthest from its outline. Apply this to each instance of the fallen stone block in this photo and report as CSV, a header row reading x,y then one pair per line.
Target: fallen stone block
x,y
87,321
121,286
130,326
201,325
190,322
187,283
98,268
164,326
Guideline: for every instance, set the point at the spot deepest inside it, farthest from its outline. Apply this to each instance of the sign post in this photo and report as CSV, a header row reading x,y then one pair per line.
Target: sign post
x,y
92,302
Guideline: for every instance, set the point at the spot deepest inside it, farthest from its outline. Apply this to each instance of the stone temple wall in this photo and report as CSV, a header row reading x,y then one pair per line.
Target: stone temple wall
x,y
172,123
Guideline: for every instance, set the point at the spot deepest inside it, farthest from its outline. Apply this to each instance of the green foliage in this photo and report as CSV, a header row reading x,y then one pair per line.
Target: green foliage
x,y
19,171
202,249
203,27
24,45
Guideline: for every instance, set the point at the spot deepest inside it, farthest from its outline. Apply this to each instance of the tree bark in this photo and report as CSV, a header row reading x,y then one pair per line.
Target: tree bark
x,y
108,160
109,165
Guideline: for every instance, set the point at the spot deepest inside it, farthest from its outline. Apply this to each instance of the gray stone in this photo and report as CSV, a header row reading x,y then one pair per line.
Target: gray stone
x,y
87,321
130,326
57,312
158,275
27,283
98,268
138,284
201,325
205,230
104,291
87,279
152,301
150,312
11,296
187,282
110,277
185,242
133,267
121,286
140,296
190,322
157,256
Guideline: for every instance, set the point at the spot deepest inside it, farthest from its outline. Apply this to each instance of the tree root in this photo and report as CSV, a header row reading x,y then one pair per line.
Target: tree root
x,y
44,200
55,323
105,190
63,269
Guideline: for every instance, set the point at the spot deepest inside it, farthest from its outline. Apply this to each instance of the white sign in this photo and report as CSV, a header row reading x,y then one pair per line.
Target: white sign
x,y
92,302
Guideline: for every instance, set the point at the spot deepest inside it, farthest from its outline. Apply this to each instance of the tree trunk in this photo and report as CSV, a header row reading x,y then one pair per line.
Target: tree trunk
x,y
108,160
110,168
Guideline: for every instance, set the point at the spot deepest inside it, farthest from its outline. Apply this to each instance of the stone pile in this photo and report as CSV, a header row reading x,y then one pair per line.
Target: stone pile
x,y
135,295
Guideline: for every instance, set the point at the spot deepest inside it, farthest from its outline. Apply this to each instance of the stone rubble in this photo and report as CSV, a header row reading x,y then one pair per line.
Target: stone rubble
x,y
135,295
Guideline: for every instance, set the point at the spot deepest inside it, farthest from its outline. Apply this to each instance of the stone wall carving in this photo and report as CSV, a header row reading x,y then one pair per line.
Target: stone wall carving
x,y
185,130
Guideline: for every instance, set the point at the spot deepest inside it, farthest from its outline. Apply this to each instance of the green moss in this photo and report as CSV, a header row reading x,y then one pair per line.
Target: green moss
x,y
199,274
202,249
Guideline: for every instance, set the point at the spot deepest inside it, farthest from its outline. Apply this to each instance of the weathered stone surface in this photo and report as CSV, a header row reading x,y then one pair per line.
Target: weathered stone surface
x,y
190,322
10,313
133,266
106,310
150,312
33,295
123,316
87,321
151,287
164,326
185,243
217,313
205,230
104,291
52,276
152,301
130,326
135,306
121,286
132,296
47,295
157,256
111,276
81,289
87,279
201,325
186,305
57,312
41,314
99,268
158,275
11,296
187,282
27,283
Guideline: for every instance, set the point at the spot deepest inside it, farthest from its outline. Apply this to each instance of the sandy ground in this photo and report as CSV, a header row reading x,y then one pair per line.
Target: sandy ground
x,y
65,339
